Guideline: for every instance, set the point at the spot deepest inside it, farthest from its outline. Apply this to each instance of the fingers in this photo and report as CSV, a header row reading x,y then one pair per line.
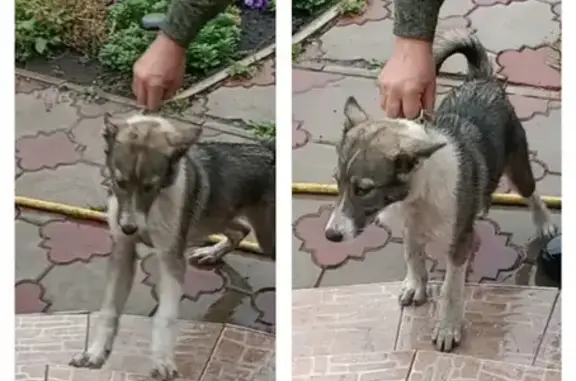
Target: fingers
x,y
154,97
139,91
429,97
148,94
392,101
411,104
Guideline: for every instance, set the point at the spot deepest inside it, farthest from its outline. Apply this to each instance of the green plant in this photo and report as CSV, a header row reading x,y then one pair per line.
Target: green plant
x,y
352,7
38,28
214,45
297,50
262,130
240,71
271,6
310,6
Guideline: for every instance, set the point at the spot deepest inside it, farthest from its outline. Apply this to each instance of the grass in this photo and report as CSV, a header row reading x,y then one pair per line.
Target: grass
x,y
263,130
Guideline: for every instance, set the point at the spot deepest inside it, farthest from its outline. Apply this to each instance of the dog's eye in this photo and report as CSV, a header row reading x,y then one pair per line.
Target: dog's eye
x,y
362,190
147,187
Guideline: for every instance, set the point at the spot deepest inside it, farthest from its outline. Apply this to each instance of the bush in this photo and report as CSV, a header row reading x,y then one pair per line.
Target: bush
x,y
310,6
44,26
215,44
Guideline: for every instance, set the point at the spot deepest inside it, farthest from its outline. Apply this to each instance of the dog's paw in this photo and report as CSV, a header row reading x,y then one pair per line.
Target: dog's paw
x,y
447,335
88,360
205,256
412,293
164,369
548,230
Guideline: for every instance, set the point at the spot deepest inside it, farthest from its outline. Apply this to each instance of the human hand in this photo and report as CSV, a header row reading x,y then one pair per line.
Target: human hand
x,y
158,74
408,80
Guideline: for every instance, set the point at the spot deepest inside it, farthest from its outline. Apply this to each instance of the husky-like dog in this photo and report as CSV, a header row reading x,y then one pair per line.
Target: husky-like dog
x,y
438,173
170,192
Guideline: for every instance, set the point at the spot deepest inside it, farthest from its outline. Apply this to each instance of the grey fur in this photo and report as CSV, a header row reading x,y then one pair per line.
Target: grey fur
x,y
439,172
170,192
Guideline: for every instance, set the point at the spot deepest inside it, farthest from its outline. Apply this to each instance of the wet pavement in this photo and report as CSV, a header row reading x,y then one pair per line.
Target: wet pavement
x,y
60,262
345,61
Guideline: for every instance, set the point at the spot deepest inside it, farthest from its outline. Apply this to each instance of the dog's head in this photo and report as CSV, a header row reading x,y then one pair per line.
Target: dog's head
x,y
376,163
142,156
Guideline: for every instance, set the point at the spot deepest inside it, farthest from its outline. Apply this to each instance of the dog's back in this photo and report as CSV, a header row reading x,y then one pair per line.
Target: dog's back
x,y
478,117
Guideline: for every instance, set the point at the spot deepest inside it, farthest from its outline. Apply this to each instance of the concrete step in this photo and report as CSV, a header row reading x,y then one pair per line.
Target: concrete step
x,y
357,328
45,344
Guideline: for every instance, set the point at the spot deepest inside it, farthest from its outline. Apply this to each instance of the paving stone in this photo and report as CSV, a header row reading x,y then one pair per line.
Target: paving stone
x,y
392,366
96,109
89,133
257,103
53,339
32,259
340,321
249,273
39,218
238,354
518,20
550,185
268,371
29,297
131,351
79,185
385,265
81,285
544,134
434,366
530,66
31,108
30,373
46,151
550,352
66,373
502,323
306,166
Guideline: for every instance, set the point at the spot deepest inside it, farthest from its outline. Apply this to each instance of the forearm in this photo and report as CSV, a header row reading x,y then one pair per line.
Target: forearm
x,y
416,19
185,18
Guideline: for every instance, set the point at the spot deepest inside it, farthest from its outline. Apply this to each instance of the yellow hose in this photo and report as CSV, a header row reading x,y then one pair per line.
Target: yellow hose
x,y
297,188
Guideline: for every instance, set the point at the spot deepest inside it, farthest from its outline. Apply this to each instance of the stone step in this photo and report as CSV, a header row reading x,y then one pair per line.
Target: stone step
x,y
45,343
416,366
338,328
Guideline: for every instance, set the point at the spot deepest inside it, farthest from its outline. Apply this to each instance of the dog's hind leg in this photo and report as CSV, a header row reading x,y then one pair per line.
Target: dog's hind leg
x,y
519,171
119,279
263,220
235,231
414,285
447,333
171,268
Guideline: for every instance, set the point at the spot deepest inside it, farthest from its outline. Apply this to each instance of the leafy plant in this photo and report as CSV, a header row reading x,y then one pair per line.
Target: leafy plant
x,y
263,130
310,6
352,7
237,70
38,28
124,47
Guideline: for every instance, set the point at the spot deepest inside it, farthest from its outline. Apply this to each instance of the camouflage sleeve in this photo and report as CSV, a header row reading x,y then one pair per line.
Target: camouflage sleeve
x,y
416,18
185,18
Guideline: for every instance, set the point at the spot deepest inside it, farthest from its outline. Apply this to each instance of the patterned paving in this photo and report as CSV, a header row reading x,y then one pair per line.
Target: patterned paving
x,y
205,351
60,262
345,60
361,333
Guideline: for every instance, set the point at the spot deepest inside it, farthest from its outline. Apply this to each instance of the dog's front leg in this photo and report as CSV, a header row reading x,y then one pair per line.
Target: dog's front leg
x,y
447,333
414,285
119,279
172,268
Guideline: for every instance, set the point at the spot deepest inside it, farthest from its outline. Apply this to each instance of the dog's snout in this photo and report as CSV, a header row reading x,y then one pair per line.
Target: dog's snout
x,y
129,229
334,235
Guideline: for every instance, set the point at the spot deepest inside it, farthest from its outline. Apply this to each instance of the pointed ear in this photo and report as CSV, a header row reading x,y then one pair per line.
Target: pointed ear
x,y
111,128
425,148
182,139
354,114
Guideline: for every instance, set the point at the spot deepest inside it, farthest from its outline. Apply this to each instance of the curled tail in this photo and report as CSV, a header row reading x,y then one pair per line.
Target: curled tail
x,y
463,42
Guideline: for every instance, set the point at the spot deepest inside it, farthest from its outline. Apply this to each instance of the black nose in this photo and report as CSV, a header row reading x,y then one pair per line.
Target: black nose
x,y
129,229
333,235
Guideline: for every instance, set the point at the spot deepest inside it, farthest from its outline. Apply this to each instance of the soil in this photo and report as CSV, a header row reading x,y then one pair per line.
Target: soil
x,y
258,31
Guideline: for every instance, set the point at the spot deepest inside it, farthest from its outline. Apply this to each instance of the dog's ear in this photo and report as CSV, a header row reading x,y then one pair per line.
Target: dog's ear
x,y
182,139
425,148
414,153
111,128
354,114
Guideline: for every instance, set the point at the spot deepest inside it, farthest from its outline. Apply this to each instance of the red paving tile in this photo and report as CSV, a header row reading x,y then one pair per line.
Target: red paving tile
x,y
46,150
530,67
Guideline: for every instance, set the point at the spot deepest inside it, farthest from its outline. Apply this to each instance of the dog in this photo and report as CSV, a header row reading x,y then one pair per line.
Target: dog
x,y
437,174
169,191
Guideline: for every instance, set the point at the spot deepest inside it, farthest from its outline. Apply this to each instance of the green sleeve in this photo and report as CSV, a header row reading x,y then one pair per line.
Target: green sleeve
x,y
185,18
416,18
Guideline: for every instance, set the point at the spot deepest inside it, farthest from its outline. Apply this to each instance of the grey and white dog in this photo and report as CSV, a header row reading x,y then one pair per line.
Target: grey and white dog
x,y
438,174
169,192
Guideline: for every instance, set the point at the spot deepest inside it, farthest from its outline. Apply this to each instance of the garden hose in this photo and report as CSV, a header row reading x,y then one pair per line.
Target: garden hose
x,y
78,213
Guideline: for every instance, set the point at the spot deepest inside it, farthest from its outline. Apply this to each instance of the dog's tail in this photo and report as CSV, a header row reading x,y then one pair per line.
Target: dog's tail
x,y
463,42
